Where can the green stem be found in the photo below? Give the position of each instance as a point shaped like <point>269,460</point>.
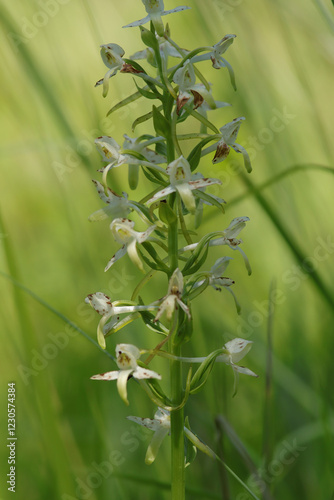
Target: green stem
<point>177,428</point>
<point>177,417</point>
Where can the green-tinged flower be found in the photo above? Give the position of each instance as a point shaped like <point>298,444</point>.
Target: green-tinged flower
<point>229,134</point>
<point>123,232</point>
<point>215,55</point>
<point>155,9</point>
<point>111,313</point>
<point>228,238</point>
<point>161,426</point>
<point>127,356</point>
<point>189,90</point>
<point>112,153</point>
<point>217,280</point>
<point>117,206</point>
<point>166,50</point>
<point>173,298</point>
<point>210,200</point>
<point>180,181</point>
<point>141,146</point>
<point>236,349</point>
<point>111,54</point>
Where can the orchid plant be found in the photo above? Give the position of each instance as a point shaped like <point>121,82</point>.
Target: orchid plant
<point>159,233</point>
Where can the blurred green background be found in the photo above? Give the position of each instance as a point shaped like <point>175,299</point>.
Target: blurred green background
<point>73,438</point>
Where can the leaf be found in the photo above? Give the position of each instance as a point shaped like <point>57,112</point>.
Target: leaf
<point>124,102</point>
<point>141,119</point>
<point>153,253</point>
<point>198,264</point>
<point>153,176</point>
<point>196,253</point>
<point>202,373</point>
<point>195,155</point>
<point>190,448</point>
<point>148,38</point>
<point>210,199</point>
<point>146,93</point>
<point>160,123</point>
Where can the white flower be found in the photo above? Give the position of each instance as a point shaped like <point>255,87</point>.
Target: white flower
<point>127,356</point>
<point>141,147</point>
<point>111,152</point>
<point>111,313</point>
<point>111,54</point>
<point>185,78</point>
<point>229,134</point>
<point>155,9</point>
<point>161,425</point>
<point>173,297</point>
<point>117,206</point>
<point>236,349</point>
<point>166,50</point>
<point>215,55</point>
<point>180,180</point>
<point>123,232</point>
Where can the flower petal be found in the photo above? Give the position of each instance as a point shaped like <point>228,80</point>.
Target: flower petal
<point>247,264</point>
<point>235,226</point>
<point>219,266</point>
<point>187,196</point>
<point>106,376</point>
<point>176,9</point>
<point>133,254</point>
<point>200,183</point>
<point>122,380</point>
<point>141,237</point>
<point>140,22</point>
<point>162,194</point>
<point>108,148</point>
<point>143,373</point>
<point>149,423</point>
<point>239,149</point>
<point>155,444</point>
<point>184,307</point>
<point>100,302</point>
<point>118,255</point>
<point>230,130</point>
<point>222,152</point>
<point>244,370</point>
<point>238,348</point>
